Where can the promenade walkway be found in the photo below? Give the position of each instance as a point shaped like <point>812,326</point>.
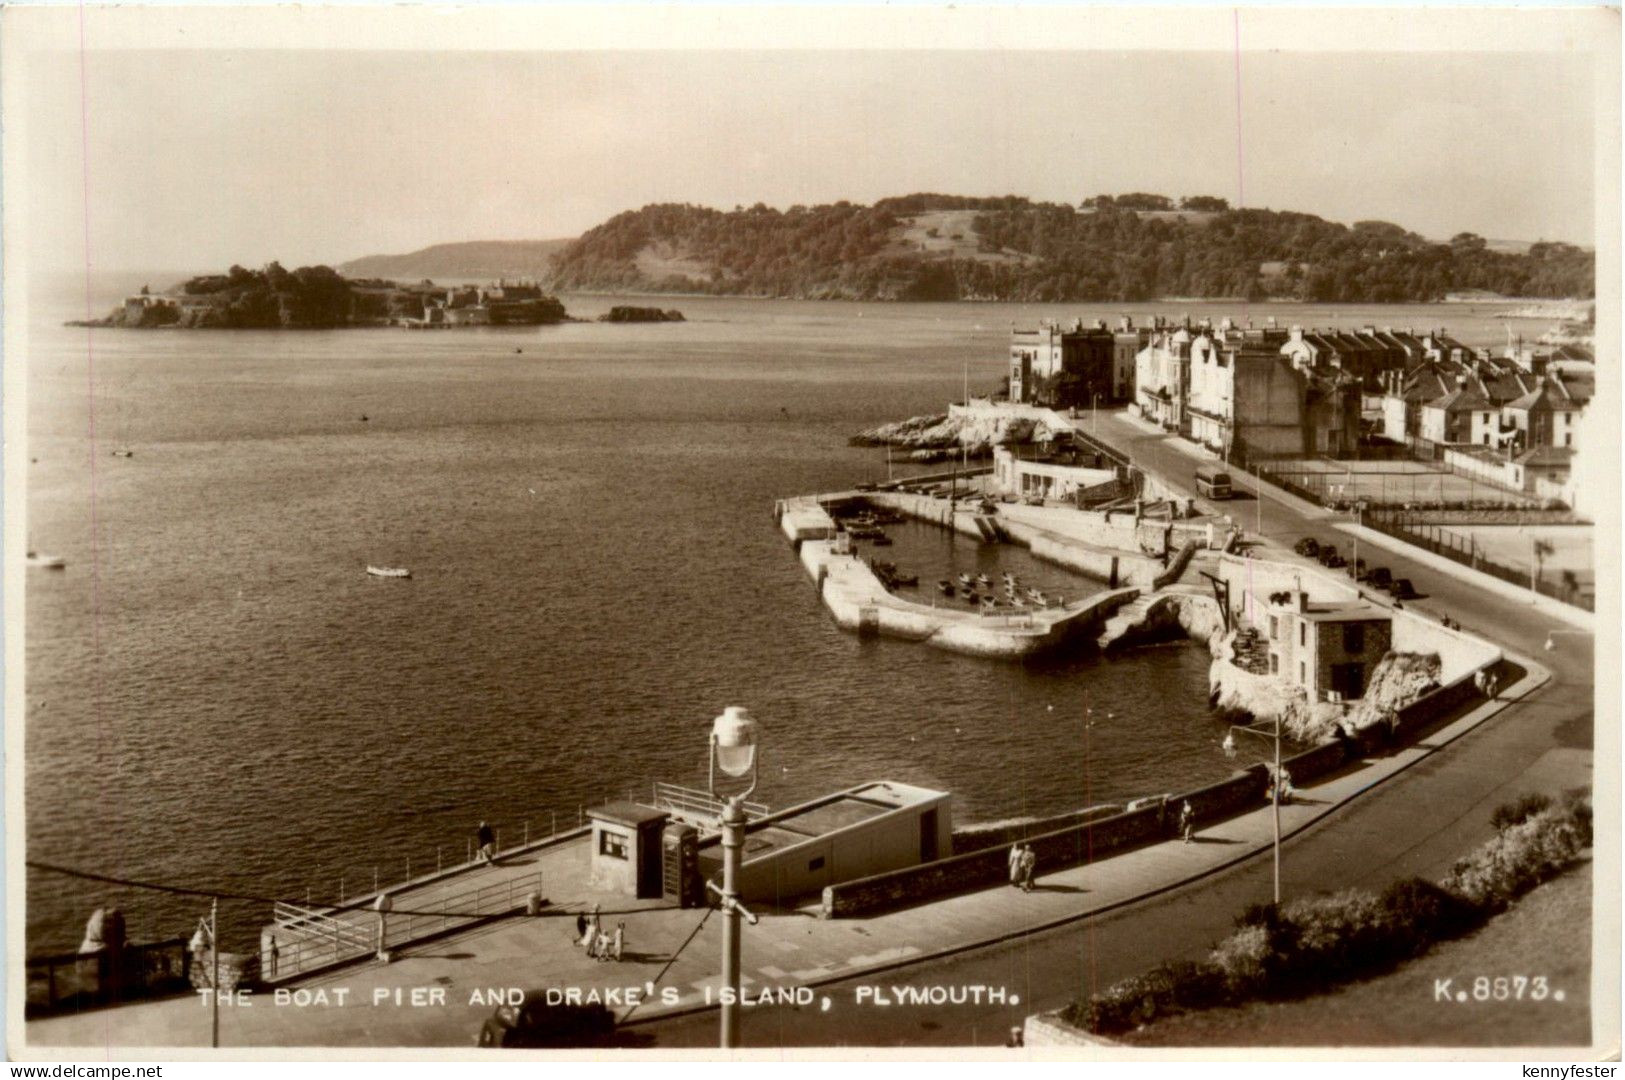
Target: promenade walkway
<point>672,954</point>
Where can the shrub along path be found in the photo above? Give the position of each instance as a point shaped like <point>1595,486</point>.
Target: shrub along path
<point>1547,935</point>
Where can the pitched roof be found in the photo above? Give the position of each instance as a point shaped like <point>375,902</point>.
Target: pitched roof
<point>1550,396</point>
<point>1461,399</point>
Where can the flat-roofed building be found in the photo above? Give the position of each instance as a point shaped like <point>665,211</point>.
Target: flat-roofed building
<point>864,830</point>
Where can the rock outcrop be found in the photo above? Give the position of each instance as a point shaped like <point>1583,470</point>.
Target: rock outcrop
<point>1398,680</point>
<point>977,435</point>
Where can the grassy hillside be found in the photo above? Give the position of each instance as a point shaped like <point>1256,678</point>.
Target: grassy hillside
<point>1135,248</point>
<point>476,259</point>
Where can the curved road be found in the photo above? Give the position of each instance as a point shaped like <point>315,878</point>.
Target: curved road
<point>1419,823</point>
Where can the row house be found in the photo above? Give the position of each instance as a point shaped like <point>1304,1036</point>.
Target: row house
<point>1061,367</point>
<point>1368,353</point>
<point>1242,393</point>
<point>1074,366</point>
<point>1451,402</point>
<point>1549,414</point>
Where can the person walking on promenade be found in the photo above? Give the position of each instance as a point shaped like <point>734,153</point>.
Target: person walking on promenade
<point>589,932</point>
<point>1015,864</point>
<point>487,841</point>
<point>1029,863</point>
<point>1187,821</point>
<point>581,927</point>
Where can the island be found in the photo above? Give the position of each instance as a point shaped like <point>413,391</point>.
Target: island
<point>319,298</point>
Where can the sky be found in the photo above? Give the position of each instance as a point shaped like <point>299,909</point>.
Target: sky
<point>195,159</point>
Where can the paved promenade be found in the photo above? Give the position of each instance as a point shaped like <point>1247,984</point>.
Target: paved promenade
<point>672,954</point>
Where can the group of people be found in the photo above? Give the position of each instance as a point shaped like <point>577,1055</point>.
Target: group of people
<point>600,945</point>
<point>1023,861</point>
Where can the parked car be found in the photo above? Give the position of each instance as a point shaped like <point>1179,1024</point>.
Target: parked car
<point>1308,547</point>
<point>536,1023</point>
<point>1377,576</point>
<point>1326,554</point>
<point>1401,589</point>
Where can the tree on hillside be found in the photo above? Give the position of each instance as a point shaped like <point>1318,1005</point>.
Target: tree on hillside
<point>1203,202</point>
<point>1140,200</point>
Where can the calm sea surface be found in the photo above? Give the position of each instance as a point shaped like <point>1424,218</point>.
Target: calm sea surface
<point>218,696</point>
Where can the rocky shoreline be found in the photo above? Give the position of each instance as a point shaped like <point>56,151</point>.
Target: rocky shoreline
<point>934,436</point>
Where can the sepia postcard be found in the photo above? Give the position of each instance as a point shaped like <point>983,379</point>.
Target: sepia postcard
<point>653,532</point>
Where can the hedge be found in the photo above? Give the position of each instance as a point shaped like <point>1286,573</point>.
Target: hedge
<point>1309,945</point>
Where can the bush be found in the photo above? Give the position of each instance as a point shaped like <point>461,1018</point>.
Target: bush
<point>1518,811</point>
<point>1520,857</point>
<point>1308,945</point>
<point>1420,913</point>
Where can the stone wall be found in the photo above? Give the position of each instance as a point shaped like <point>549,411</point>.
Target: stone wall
<point>1003,834</point>
<point>1055,850</point>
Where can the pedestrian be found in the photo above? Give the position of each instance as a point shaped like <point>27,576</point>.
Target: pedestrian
<point>1187,821</point>
<point>581,927</point>
<point>1029,863</point>
<point>533,903</point>
<point>275,956</point>
<point>488,843</point>
<point>589,930</point>
<point>1286,787</point>
<point>1015,864</point>
<point>383,906</point>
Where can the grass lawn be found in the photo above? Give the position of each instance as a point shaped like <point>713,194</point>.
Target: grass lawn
<point>1547,933</point>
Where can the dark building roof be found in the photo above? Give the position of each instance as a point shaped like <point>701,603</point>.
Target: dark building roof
<point>625,813</point>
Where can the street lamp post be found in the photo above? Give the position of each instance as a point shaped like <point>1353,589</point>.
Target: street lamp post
<point>733,751</point>
<point>208,933</point>
<point>1275,785</point>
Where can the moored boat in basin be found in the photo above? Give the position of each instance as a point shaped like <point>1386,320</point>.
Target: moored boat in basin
<point>389,571</point>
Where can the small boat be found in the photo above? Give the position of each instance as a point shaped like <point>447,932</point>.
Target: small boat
<point>1035,596</point>
<point>389,571</point>
<point>981,579</point>
<point>881,539</point>
<point>964,581</point>
<point>124,453</point>
<point>1017,601</point>
<point>907,581</point>
<point>47,562</point>
<point>946,586</point>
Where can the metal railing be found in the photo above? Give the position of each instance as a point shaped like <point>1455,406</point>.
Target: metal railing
<point>336,936</point>
<point>1465,550</point>
<point>698,807</point>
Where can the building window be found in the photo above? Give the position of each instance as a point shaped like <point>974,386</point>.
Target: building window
<point>612,844</point>
<point>815,864</point>
<point>1303,633</point>
<point>1275,663</point>
<point>1303,673</point>
<point>1354,638</point>
<point>1274,629</point>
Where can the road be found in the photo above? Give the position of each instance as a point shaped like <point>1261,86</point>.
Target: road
<point>1416,824</point>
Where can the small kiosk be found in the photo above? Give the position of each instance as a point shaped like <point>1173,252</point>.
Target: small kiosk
<point>626,849</point>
